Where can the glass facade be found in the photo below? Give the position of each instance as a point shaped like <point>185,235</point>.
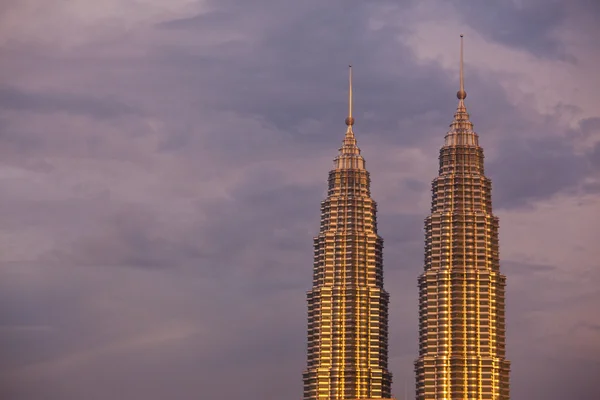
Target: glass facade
<point>462,352</point>
<point>347,306</point>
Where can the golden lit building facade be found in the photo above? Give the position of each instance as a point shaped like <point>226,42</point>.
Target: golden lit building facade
<point>347,305</point>
<point>461,291</point>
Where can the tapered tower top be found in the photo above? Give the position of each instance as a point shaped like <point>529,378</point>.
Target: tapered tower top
<point>461,130</point>
<point>349,156</point>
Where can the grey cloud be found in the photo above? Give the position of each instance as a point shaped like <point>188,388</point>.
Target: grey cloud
<point>410,232</point>
<point>211,20</point>
<point>12,98</point>
<point>544,166</point>
<point>314,46</point>
<point>594,156</point>
<point>237,269</point>
<point>239,333</point>
<point>416,185</point>
<point>528,24</point>
<point>539,371</point>
<point>589,125</point>
<point>264,213</point>
<point>131,236</point>
<point>521,268</point>
<point>560,378</point>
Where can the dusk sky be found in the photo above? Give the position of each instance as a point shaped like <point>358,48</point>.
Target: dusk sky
<point>162,164</point>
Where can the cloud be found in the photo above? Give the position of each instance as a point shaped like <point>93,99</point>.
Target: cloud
<point>162,166</point>
<point>546,167</point>
<point>14,99</point>
<point>530,24</point>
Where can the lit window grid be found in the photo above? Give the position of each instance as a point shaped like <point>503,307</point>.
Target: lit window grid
<point>461,292</point>
<point>347,306</point>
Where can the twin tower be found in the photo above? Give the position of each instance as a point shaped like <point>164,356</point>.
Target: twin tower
<point>461,291</point>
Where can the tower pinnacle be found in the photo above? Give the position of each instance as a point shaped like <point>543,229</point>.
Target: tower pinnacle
<point>462,327</point>
<point>347,349</point>
<point>461,94</point>
<point>350,119</point>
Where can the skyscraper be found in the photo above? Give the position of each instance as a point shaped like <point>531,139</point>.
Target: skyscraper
<point>347,305</point>
<point>461,291</point>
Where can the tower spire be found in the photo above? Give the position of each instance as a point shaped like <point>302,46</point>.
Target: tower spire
<point>462,199</point>
<point>347,305</point>
<point>350,119</point>
<point>461,94</point>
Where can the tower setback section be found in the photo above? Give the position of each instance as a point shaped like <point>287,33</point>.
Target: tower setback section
<point>347,305</point>
<point>461,291</point>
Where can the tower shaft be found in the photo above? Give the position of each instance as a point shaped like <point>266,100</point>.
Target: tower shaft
<point>347,305</point>
<point>461,291</point>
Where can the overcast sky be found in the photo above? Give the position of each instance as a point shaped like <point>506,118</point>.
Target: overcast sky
<point>162,165</point>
